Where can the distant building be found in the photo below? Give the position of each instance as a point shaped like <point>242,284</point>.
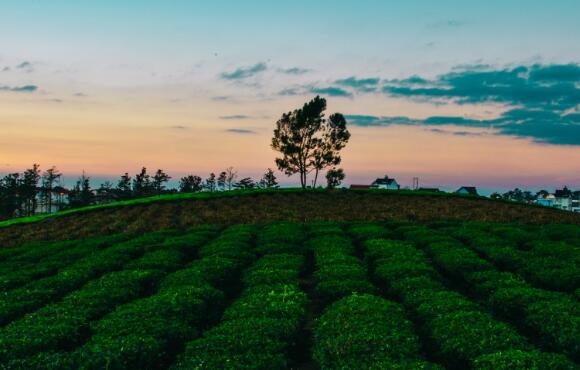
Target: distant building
<point>546,200</point>
<point>360,187</point>
<point>467,190</point>
<point>563,199</point>
<point>385,183</point>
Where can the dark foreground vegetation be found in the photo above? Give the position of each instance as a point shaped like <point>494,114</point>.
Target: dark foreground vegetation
<point>259,206</point>
<point>330,295</point>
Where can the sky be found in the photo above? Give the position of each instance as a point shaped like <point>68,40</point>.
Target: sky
<point>452,92</point>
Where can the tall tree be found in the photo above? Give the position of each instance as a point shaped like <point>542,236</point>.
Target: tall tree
<point>81,195</point>
<point>190,184</point>
<point>210,182</point>
<point>142,183</point>
<point>221,181</point>
<point>268,180</point>
<point>29,189</point>
<point>231,177</point>
<point>334,177</point>
<point>10,204</point>
<point>124,186</point>
<point>159,180</point>
<point>49,177</point>
<point>308,141</point>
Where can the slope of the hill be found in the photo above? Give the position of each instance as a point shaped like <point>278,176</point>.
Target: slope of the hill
<point>260,207</point>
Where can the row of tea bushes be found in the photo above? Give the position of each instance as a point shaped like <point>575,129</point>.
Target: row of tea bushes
<point>149,332</point>
<point>48,260</point>
<point>367,332</point>
<point>258,329</point>
<point>555,317</point>
<point>338,271</point>
<point>546,264</point>
<point>17,302</point>
<point>65,324</point>
<point>459,330</point>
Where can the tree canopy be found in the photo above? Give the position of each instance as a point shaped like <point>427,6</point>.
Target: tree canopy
<point>308,142</point>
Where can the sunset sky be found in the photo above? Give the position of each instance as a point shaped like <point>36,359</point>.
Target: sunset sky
<point>482,93</point>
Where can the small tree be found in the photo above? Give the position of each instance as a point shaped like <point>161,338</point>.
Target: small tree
<point>231,177</point>
<point>49,177</point>
<point>190,184</point>
<point>29,188</point>
<point>268,180</point>
<point>10,204</point>
<point>308,141</point>
<point>159,179</point>
<point>334,177</point>
<point>245,183</point>
<point>210,182</point>
<point>142,183</point>
<point>221,181</point>
<point>124,186</point>
<point>81,195</point>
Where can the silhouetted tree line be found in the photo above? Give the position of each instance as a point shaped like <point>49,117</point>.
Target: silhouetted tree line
<point>33,191</point>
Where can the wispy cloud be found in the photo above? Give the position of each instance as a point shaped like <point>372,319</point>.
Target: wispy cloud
<point>179,127</point>
<point>294,70</point>
<point>359,84</point>
<point>241,131</point>
<point>331,91</point>
<point>235,117</point>
<point>244,72</point>
<point>25,88</point>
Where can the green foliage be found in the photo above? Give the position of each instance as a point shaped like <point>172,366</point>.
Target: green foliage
<point>361,331</point>
<point>518,359</point>
<point>40,331</point>
<point>465,335</point>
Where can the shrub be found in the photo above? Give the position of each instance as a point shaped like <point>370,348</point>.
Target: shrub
<point>164,260</point>
<point>40,331</point>
<point>465,335</point>
<point>367,231</point>
<point>252,343</point>
<point>360,330</point>
<point>518,359</point>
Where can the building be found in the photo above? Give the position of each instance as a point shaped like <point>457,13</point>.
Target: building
<point>385,183</point>
<point>546,200</point>
<point>563,199</point>
<point>467,190</point>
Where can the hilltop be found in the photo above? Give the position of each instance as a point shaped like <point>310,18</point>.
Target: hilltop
<point>261,206</point>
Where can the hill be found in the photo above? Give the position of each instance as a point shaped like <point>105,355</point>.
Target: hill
<point>260,206</point>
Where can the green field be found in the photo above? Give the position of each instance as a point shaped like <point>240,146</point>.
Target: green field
<point>330,295</point>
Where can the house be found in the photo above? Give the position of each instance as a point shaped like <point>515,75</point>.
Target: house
<point>545,200</point>
<point>467,190</point>
<point>563,199</point>
<point>360,187</point>
<point>385,183</point>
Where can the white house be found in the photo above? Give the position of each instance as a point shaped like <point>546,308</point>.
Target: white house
<point>385,183</point>
<point>563,199</point>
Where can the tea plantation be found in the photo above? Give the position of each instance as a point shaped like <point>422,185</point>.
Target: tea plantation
<point>315,295</point>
